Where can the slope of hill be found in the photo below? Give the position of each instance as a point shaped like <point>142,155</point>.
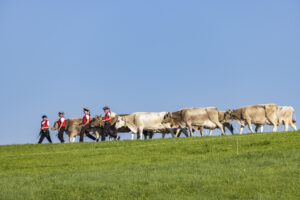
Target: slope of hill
<point>252,166</point>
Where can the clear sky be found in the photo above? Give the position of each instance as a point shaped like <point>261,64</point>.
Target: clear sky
<point>139,55</point>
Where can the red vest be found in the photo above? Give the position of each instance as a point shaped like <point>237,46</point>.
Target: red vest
<point>59,122</point>
<point>44,124</point>
<point>107,117</point>
<point>85,120</point>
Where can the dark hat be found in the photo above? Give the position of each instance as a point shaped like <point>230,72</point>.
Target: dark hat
<point>106,108</point>
<point>61,113</point>
<point>44,116</point>
<point>86,109</point>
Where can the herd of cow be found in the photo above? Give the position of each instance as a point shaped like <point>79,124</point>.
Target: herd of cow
<point>188,119</point>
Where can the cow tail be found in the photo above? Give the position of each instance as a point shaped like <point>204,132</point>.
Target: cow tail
<point>294,117</point>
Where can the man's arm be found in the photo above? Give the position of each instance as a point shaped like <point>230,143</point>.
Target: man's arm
<point>105,120</point>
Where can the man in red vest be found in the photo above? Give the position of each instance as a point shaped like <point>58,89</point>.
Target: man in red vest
<point>61,126</point>
<point>86,125</point>
<point>45,124</point>
<point>107,123</point>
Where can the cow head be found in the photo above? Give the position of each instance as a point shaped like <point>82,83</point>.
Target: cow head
<point>168,119</point>
<point>228,115</point>
<point>120,122</point>
<point>55,126</point>
<point>96,121</point>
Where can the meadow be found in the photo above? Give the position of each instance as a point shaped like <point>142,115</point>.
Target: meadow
<point>249,166</point>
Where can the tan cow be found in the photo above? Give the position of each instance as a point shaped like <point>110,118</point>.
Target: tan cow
<point>73,128</point>
<point>285,117</point>
<point>254,114</point>
<point>195,118</point>
<point>225,122</point>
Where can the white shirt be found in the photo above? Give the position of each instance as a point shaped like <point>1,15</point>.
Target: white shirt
<point>62,120</point>
<point>87,117</point>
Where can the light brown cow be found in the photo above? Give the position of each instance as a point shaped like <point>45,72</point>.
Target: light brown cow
<point>225,122</point>
<point>285,117</point>
<point>195,118</point>
<point>255,114</point>
<point>73,128</point>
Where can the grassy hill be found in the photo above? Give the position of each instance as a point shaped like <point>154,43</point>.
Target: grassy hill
<point>253,166</point>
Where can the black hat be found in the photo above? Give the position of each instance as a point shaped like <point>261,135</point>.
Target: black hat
<point>61,113</point>
<point>44,116</point>
<point>106,108</point>
<point>86,109</point>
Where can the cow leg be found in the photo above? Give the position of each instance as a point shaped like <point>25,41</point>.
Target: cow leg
<point>241,129</point>
<point>250,126</point>
<point>294,126</point>
<point>210,132</point>
<point>191,130</point>
<point>261,129</point>
<point>72,137</point>
<point>146,133</point>
<point>97,136</point>
<point>132,135</point>
<point>286,126</point>
<point>140,133</point>
<point>220,126</point>
<point>173,132</point>
<point>274,127</point>
<point>224,129</point>
<point>185,132</point>
<point>201,130</point>
<point>256,128</point>
<point>163,135</point>
<point>231,129</point>
<point>151,135</point>
<point>177,132</point>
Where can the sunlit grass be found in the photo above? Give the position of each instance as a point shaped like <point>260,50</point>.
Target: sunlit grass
<point>252,166</point>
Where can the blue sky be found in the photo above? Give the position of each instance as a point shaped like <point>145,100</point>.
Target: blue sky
<point>143,56</point>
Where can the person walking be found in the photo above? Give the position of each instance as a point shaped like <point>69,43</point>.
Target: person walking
<point>107,122</point>
<point>86,125</point>
<point>44,132</point>
<point>107,125</point>
<point>61,126</point>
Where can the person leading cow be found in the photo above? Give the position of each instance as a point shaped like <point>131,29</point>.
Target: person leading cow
<point>86,125</point>
<point>61,127</point>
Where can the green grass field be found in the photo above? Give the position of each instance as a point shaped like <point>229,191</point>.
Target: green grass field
<point>252,166</point>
